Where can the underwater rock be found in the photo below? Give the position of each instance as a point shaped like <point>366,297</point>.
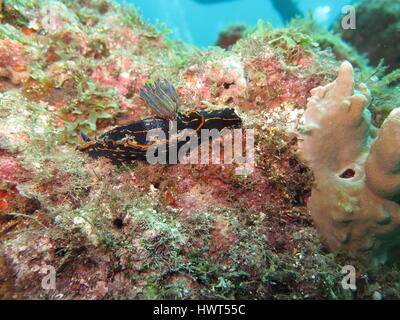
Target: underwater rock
<point>14,62</point>
<point>228,37</point>
<point>224,78</point>
<point>355,200</point>
<point>56,16</point>
<point>377,40</point>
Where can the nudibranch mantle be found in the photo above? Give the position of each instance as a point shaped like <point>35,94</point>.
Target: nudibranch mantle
<point>129,143</point>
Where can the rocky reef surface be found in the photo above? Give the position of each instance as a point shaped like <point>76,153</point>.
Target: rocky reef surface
<point>164,231</point>
<point>367,36</point>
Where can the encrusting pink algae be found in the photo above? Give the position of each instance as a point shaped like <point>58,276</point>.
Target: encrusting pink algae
<point>184,231</point>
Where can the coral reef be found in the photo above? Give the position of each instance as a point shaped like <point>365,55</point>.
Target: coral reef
<point>185,231</point>
<point>13,63</point>
<point>230,35</point>
<point>354,201</point>
<point>377,40</point>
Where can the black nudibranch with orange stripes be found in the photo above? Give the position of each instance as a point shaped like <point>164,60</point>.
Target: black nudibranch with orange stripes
<point>131,142</point>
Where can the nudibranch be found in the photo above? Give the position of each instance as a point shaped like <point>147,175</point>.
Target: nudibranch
<point>129,143</point>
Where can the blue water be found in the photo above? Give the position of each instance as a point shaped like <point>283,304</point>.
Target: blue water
<point>199,22</point>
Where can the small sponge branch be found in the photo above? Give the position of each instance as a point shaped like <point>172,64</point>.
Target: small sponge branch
<point>383,163</point>
<point>336,114</point>
<point>344,82</point>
